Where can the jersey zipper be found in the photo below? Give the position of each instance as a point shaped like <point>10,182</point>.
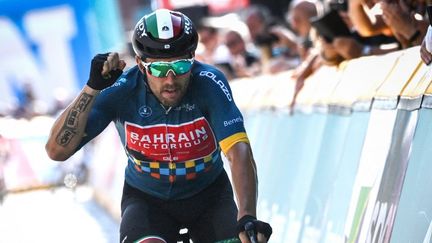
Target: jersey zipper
<point>171,164</point>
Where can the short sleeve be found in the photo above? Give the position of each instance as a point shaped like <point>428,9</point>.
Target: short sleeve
<point>100,116</point>
<point>220,109</point>
<point>107,103</point>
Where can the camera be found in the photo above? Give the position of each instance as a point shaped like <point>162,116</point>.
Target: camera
<point>339,5</point>
<point>266,39</point>
<point>330,25</point>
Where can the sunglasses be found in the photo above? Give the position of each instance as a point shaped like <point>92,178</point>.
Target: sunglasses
<point>161,69</point>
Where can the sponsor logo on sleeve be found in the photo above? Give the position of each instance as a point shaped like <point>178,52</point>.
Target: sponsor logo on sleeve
<point>233,121</point>
<point>219,82</point>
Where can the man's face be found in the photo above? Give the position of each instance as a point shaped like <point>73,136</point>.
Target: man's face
<point>169,89</point>
<point>255,25</point>
<point>299,18</point>
<point>235,43</point>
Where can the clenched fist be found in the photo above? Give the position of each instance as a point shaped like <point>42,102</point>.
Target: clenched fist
<point>105,70</point>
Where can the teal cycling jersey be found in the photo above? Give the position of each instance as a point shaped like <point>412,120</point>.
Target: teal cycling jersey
<point>173,152</point>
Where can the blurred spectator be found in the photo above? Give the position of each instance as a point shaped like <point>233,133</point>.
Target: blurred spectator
<point>403,19</point>
<point>243,62</point>
<point>210,49</point>
<point>258,19</point>
<point>276,43</point>
<point>354,45</point>
<point>26,102</point>
<point>331,50</point>
<point>298,16</point>
<point>276,7</point>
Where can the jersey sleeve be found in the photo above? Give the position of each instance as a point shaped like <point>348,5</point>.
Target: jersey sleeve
<point>98,120</point>
<point>104,110</point>
<point>223,114</point>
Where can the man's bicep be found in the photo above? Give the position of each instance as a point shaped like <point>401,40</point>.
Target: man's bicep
<point>227,143</point>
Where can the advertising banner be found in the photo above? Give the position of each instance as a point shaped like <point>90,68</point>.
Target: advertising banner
<point>46,47</point>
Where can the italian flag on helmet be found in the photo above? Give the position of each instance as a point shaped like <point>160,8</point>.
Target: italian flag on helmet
<point>162,24</point>
<point>164,33</point>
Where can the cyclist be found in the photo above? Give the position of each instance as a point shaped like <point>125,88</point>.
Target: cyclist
<point>174,116</point>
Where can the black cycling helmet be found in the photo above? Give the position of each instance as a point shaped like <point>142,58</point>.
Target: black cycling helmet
<point>163,34</point>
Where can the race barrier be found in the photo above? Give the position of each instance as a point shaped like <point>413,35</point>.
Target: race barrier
<point>348,164</point>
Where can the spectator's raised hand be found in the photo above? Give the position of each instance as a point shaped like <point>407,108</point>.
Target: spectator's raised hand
<point>366,16</point>
<point>425,55</point>
<point>328,53</point>
<point>402,22</point>
<point>347,47</point>
<point>397,16</point>
<point>357,2</point>
<point>426,47</point>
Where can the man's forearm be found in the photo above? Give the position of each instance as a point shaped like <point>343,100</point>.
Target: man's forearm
<point>68,129</point>
<point>359,18</point>
<point>244,176</point>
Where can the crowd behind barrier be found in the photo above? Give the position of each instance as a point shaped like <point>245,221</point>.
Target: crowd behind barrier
<point>329,170</point>
<point>248,42</point>
<point>349,164</point>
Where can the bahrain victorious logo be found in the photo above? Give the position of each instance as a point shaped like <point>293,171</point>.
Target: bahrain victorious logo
<point>161,142</point>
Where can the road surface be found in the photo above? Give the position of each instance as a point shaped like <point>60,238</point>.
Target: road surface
<point>61,215</point>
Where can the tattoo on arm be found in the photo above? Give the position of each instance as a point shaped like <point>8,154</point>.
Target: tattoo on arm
<point>83,101</point>
<point>70,126</point>
<point>65,136</point>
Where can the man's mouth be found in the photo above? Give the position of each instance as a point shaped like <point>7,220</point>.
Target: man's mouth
<point>171,92</point>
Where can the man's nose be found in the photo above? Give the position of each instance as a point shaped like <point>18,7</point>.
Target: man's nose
<point>170,77</point>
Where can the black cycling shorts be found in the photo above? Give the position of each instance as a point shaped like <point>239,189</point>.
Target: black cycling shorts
<point>209,216</point>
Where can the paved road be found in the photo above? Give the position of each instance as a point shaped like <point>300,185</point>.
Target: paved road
<point>55,216</point>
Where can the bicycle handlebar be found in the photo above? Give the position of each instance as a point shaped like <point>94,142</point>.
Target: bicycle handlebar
<point>250,231</point>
